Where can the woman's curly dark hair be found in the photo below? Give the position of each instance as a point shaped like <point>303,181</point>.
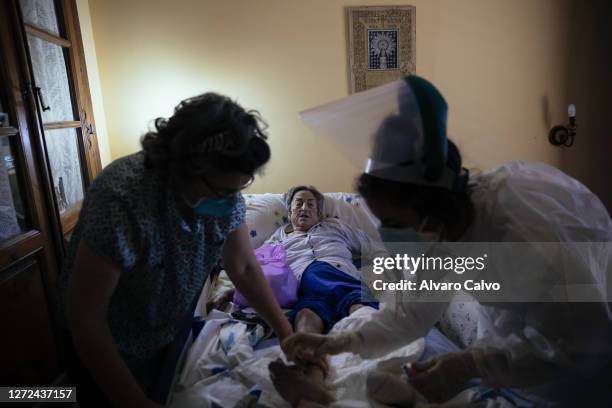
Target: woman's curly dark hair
<point>207,132</point>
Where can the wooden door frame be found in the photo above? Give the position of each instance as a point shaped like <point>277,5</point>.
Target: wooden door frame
<point>31,161</point>
<point>73,29</point>
<point>89,155</point>
<point>43,241</point>
<point>42,196</point>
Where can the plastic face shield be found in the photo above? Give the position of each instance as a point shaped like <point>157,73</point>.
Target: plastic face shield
<point>381,132</point>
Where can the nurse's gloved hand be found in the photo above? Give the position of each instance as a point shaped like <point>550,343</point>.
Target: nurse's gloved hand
<point>309,347</point>
<point>442,377</point>
<point>390,389</point>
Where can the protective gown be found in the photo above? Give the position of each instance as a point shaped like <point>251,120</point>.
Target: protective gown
<point>400,128</point>
<point>522,344</point>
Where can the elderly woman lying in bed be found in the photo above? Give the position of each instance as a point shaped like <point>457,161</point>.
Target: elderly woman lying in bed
<point>320,252</point>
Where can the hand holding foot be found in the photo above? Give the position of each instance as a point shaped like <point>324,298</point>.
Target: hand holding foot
<point>295,387</point>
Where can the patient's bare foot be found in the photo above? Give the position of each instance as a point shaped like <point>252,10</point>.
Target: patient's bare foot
<point>317,370</point>
<point>295,387</point>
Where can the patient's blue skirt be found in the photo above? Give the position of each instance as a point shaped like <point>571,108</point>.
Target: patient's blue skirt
<point>329,293</point>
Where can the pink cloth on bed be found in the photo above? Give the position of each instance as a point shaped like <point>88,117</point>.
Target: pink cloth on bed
<point>280,277</point>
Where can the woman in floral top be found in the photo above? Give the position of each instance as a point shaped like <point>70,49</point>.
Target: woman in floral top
<point>153,226</point>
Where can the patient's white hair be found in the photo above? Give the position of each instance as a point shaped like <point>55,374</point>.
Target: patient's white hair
<point>288,197</point>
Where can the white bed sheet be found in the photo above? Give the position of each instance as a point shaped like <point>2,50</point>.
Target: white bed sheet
<point>248,369</point>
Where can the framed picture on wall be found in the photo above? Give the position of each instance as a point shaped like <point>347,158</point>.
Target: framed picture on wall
<point>381,45</point>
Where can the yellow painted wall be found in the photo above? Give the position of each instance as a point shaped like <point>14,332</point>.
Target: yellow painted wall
<point>502,66</point>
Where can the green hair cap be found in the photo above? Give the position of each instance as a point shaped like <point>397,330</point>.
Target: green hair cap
<point>434,111</point>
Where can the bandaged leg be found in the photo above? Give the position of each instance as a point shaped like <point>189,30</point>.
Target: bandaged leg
<point>390,389</point>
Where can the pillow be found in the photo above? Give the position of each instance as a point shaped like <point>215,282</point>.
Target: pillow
<point>266,213</point>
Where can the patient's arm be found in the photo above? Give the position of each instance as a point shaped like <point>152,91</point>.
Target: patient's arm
<point>244,271</point>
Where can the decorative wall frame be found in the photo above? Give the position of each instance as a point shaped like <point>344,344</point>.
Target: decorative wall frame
<point>381,45</point>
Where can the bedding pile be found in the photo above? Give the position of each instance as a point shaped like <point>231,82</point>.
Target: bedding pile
<point>228,366</point>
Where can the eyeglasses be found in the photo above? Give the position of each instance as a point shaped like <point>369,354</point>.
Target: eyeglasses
<point>222,194</point>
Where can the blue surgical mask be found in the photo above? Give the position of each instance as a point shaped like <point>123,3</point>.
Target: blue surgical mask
<point>214,207</point>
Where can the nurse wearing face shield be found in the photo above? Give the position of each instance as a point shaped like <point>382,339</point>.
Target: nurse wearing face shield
<point>415,184</point>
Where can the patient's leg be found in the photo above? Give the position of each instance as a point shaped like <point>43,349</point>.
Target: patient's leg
<point>309,322</point>
<point>306,383</point>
